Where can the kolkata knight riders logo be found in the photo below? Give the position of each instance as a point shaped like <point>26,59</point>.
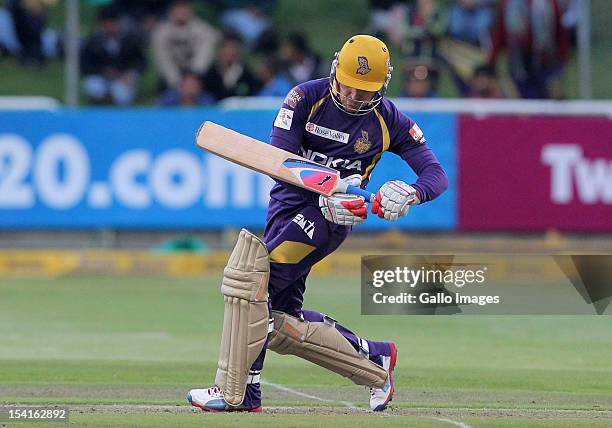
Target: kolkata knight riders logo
<point>363,144</point>
<point>364,68</point>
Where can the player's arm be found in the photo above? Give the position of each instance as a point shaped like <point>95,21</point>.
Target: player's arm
<point>288,129</point>
<point>395,197</point>
<point>432,180</point>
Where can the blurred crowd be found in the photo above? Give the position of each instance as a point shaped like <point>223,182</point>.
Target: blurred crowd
<point>200,62</point>
<point>467,37</point>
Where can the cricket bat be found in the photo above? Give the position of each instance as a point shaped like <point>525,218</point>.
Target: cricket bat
<point>275,162</point>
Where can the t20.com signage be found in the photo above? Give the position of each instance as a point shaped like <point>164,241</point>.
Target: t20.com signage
<point>99,168</point>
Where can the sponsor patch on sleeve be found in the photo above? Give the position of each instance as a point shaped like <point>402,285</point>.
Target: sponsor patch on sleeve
<point>416,134</point>
<point>284,118</point>
<point>294,97</point>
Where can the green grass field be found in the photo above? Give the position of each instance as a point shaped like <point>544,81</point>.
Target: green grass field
<point>124,352</point>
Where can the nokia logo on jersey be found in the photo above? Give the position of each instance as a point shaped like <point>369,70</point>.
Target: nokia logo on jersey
<point>330,161</point>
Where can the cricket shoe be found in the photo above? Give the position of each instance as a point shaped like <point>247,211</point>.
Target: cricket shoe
<point>211,400</point>
<point>380,397</point>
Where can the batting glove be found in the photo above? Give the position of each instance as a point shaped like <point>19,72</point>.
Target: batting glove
<point>345,209</point>
<point>394,199</point>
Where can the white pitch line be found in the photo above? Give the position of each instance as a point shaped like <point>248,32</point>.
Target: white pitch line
<point>450,421</point>
<point>303,394</point>
<point>346,403</point>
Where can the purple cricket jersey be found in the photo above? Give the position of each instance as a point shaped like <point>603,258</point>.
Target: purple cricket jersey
<point>311,125</point>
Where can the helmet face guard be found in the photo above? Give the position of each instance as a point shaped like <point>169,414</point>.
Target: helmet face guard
<point>353,106</point>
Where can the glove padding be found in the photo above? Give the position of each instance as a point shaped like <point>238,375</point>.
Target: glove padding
<point>394,199</point>
<point>343,208</point>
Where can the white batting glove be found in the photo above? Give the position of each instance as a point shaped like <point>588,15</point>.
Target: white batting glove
<point>394,199</point>
<point>343,208</point>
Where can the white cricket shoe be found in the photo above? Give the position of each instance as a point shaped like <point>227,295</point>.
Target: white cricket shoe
<point>380,397</point>
<point>211,400</point>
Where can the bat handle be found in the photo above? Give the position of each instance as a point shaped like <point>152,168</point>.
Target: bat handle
<point>354,190</point>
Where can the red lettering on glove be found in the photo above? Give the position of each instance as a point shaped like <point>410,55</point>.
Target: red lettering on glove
<point>356,207</point>
<point>376,206</point>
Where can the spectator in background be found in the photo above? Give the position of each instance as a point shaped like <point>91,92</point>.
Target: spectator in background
<point>142,15</point>
<point>484,83</point>
<point>268,44</point>
<point>470,21</point>
<point>230,76</point>
<point>29,19</point>
<point>469,40</point>
<point>571,13</point>
<point>111,61</point>
<point>420,79</point>
<point>248,19</point>
<point>190,93</point>
<point>8,38</point>
<point>388,20</point>
<point>274,83</point>
<point>537,45</point>
<point>425,27</point>
<point>183,44</point>
<point>300,62</point>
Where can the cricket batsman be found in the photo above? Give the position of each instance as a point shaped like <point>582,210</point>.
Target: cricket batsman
<point>343,122</point>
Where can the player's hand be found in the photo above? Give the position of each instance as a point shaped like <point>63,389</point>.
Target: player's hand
<point>394,199</point>
<point>345,209</point>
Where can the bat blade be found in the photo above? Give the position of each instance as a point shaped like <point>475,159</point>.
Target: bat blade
<point>272,161</point>
<point>313,176</point>
<point>267,159</point>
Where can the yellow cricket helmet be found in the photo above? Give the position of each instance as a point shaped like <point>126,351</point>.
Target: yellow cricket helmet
<point>363,63</point>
